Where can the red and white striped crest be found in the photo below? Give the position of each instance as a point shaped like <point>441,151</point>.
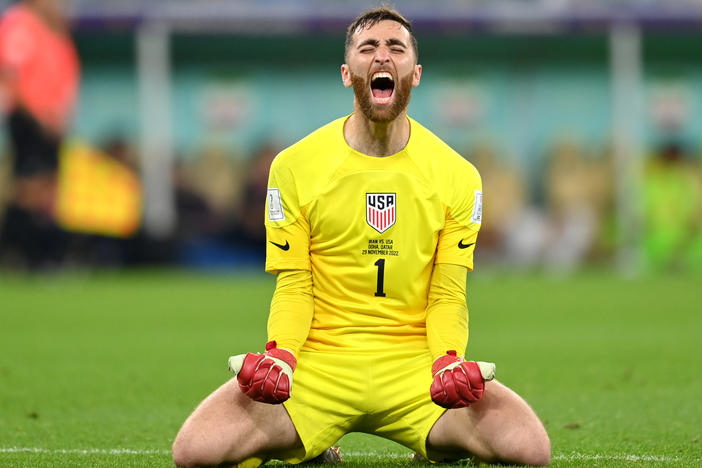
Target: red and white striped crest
<point>380,210</point>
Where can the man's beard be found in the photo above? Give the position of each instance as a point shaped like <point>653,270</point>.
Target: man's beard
<point>374,113</point>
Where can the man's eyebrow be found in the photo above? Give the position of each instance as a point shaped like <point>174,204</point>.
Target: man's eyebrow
<point>373,42</point>
<point>376,43</point>
<point>395,42</point>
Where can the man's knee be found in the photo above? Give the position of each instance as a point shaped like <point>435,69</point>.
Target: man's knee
<point>533,450</point>
<point>188,452</point>
<point>540,453</point>
<point>502,428</point>
<point>523,438</point>
<point>184,454</point>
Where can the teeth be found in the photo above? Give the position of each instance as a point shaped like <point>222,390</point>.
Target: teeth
<point>382,74</point>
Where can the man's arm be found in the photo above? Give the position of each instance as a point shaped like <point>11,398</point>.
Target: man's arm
<point>292,309</point>
<point>457,383</point>
<point>447,312</point>
<point>268,377</point>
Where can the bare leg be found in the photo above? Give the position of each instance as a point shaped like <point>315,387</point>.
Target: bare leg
<point>501,427</point>
<point>229,427</point>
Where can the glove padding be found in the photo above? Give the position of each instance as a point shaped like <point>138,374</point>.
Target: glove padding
<point>265,377</point>
<point>458,383</point>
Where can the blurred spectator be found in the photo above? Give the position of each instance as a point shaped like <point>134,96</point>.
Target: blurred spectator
<point>245,238</point>
<point>601,182</point>
<point>251,229</point>
<point>215,176</point>
<point>99,201</point>
<point>572,207</point>
<point>221,208</point>
<point>118,148</point>
<point>196,219</point>
<point>563,233</point>
<point>5,186</point>
<point>39,74</point>
<point>503,205</point>
<point>672,206</point>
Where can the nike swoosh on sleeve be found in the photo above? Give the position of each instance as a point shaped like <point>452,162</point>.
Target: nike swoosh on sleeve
<point>461,245</point>
<point>281,246</point>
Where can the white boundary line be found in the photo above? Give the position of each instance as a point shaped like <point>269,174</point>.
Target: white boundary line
<point>565,457</point>
<point>89,451</point>
<point>632,458</point>
<point>127,451</point>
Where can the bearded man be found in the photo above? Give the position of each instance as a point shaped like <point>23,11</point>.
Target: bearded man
<point>371,225</point>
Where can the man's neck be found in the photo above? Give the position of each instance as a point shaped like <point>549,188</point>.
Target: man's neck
<point>376,138</point>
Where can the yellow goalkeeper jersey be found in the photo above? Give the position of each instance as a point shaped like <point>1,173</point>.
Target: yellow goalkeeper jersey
<point>370,230</point>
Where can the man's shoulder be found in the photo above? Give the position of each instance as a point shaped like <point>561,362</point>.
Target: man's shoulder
<point>314,145</point>
<point>430,150</point>
<point>309,164</point>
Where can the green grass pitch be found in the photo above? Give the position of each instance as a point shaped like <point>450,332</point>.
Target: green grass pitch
<point>101,370</point>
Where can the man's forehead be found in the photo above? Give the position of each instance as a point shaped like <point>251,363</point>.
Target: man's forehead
<point>384,28</point>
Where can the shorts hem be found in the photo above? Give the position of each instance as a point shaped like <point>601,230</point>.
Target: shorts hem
<point>304,454</point>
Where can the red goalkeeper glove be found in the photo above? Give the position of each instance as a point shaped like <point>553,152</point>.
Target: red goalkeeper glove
<point>458,383</point>
<point>265,377</point>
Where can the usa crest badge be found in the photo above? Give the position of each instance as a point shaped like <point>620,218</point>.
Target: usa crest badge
<point>381,210</point>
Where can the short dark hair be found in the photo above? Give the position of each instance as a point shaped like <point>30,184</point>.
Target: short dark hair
<point>370,18</point>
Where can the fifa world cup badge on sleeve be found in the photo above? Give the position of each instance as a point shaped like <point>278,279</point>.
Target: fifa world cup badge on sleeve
<point>477,208</point>
<point>275,205</point>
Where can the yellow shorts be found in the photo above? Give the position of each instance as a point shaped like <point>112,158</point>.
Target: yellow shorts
<point>384,393</point>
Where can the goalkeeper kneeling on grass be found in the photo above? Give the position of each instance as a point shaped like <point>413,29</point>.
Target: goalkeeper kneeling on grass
<point>371,225</point>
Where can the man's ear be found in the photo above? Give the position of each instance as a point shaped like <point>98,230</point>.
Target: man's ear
<point>417,75</point>
<point>346,75</point>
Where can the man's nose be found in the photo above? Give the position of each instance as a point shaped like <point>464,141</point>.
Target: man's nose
<point>382,55</point>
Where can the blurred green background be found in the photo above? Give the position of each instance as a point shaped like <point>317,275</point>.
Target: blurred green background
<point>583,118</point>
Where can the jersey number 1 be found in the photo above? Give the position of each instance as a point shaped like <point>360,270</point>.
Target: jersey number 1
<point>381,278</point>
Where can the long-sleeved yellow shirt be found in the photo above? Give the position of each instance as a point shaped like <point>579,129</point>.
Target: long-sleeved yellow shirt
<point>371,252</point>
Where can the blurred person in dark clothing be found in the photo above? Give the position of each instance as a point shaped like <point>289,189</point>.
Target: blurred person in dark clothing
<point>251,231</point>
<point>242,241</point>
<point>39,75</point>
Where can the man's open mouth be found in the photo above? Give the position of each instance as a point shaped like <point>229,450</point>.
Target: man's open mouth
<point>382,86</point>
